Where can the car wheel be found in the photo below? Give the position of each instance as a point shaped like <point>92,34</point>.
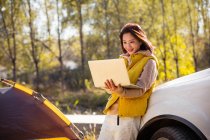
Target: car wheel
<point>172,133</point>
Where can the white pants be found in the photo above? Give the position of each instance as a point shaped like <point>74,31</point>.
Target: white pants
<point>127,129</point>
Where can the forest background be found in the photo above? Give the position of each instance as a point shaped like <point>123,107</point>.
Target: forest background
<point>45,44</point>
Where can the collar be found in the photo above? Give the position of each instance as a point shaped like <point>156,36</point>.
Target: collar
<point>144,52</point>
<point>129,57</point>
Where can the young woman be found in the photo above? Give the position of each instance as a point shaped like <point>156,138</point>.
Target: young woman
<point>125,106</point>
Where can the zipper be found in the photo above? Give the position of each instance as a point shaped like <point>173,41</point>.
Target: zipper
<point>118,120</point>
<point>118,117</point>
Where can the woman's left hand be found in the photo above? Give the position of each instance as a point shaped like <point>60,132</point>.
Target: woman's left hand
<point>110,85</point>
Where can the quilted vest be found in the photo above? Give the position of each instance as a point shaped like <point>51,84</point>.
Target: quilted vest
<point>132,107</point>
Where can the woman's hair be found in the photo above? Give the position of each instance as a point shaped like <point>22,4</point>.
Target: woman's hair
<point>138,33</point>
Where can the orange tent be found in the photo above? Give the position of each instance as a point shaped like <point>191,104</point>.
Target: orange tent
<point>26,114</point>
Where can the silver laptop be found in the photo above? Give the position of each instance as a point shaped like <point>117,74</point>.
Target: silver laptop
<point>114,69</point>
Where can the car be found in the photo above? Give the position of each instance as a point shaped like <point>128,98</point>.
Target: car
<point>179,110</point>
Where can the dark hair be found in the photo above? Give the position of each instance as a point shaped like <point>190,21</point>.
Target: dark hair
<point>138,33</point>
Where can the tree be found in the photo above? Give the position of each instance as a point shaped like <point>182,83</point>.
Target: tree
<point>10,32</point>
<point>75,17</point>
<point>60,57</point>
<point>164,53</point>
<point>192,34</point>
<point>34,48</point>
<point>79,11</point>
<point>203,9</point>
<point>48,18</point>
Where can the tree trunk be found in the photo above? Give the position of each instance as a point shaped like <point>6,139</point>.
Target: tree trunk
<point>116,4</point>
<point>14,39</point>
<point>163,39</point>
<point>175,52</point>
<point>48,19</point>
<point>105,4</point>
<point>34,52</point>
<point>192,37</point>
<point>11,51</point>
<point>79,10</point>
<point>48,23</point>
<point>60,57</point>
<point>206,26</point>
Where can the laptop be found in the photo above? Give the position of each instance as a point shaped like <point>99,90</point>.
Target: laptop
<point>114,69</point>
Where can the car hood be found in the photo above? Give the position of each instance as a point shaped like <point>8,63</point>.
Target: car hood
<point>185,80</point>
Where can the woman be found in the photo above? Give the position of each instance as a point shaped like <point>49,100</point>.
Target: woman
<point>125,106</point>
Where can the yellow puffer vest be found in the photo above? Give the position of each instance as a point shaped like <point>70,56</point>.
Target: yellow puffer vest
<point>131,107</point>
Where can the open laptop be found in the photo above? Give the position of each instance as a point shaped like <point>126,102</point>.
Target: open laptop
<point>114,69</point>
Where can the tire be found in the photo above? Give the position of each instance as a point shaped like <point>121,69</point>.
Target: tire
<point>172,133</point>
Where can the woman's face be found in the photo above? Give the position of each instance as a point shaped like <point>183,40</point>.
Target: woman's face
<point>130,43</point>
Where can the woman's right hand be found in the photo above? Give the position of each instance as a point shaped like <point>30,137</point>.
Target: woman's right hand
<point>110,86</point>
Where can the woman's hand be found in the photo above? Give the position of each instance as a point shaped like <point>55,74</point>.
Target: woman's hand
<point>110,85</point>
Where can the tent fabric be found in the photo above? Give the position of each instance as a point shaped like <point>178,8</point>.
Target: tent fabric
<point>24,116</point>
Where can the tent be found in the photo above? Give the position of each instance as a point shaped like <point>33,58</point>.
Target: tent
<point>26,114</point>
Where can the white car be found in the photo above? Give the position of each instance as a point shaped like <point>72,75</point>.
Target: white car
<point>179,110</point>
